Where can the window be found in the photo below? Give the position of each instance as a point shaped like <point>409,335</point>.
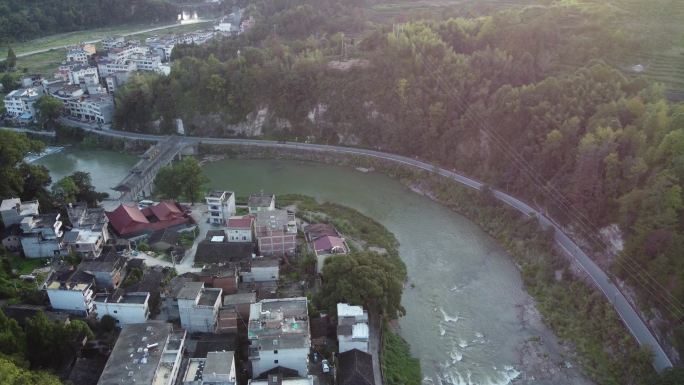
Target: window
<point>115,311</point>
<point>275,361</point>
<point>275,352</point>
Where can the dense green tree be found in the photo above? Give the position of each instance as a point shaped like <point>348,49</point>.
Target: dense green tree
<point>11,60</point>
<point>48,109</point>
<point>36,182</point>
<point>181,180</point>
<point>50,344</point>
<point>11,374</point>
<point>12,338</point>
<point>64,191</point>
<point>363,278</point>
<point>13,148</point>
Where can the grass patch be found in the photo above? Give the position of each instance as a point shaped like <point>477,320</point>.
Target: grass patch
<point>398,366</point>
<point>45,63</point>
<point>26,265</point>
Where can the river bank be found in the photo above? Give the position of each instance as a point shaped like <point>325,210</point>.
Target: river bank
<point>580,337</point>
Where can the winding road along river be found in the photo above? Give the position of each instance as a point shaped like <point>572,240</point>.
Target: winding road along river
<point>467,313</point>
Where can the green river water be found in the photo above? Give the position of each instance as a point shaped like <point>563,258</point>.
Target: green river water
<point>464,305</point>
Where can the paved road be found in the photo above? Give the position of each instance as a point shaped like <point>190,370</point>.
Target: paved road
<point>29,131</point>
<point>29,53</point>
<point>627,313</point>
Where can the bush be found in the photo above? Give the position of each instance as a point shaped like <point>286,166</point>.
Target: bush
<point>398,366</point>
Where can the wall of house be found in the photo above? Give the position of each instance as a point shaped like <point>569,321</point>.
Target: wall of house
<point>261,274</point>
<point>196,318</point>
<point>228,284</point>
<point>35,247</point>
<point>72,301</point>
<point>277,245</point>
<point>239,235</point>
<point>125,313</point>
<point>347,343</point>
<point>296,359</point>
<point>12,243</point>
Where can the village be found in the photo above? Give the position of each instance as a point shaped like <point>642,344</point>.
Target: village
<point>202,294</point>
<point>88,78</point>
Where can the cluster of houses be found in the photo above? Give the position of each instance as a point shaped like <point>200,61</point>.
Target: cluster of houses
<point>87,79</point>
<point>228,320</point>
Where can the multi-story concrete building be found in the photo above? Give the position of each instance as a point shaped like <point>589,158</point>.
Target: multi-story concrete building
<point>278,379</point>
<point>84,243</point>
<point>109,269</point>
<point>71,290</point>
<point>113,42</point>
<point>93,108</point>
<point>221,206</point>
<point>240,229</point>
<point>217,369</point>
<point>108,67</point>
<point>146,62</point>
<point>78,72</point>
<point>276,233</point>
<point>42,236</point>
<point>126,52</point>
<point>20,103</point>
<point>13,210</point>
<point>198,307</point>
<point>83,217</point>
<point>77,54</point>
<point>352,328</point>
<point>147,353</point>
<point>126,308</point>
<point>279,335</point>
<point>117,79</point>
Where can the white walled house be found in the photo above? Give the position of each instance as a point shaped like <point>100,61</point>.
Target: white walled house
<point>71,291</point>
<point>198,307</point>
<point>352,328</point>
<point>240,229</point>
<point>129,308</point>
<point>221,206</point>
<point>79,72</point>
<point>93,108</point>
<point>107,67</point>
<point>42,236</point>
<point>262,270</point>
<point>13,210</point>
<point>279,335</point>
<point>20,103</point>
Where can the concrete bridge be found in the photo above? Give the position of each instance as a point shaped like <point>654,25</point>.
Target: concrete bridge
<point>139,182</point>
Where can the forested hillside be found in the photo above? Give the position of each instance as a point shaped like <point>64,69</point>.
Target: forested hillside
<point>26,19</point>
<point>526,99</point>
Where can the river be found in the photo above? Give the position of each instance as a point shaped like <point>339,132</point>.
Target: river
<point>467,313</point>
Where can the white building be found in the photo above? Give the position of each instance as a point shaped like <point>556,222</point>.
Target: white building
<point>107,67</point>
<point>278,332</point>
<point>20,103</point>
<point>113,42</point>
<point>352,328</point>
<point>147,353</point>
<point>129,308</point>
<point>71,291</point>
<point>217,369</point>
<point>13,210</point>
<point>240,229</point>
<point>84,243</point>
<point>77,54</point>
<point>117,79</point>
<point>221,206</point>
<point>198,307</point>
<point>276,380</point>
<point>146,62</point>
<point>77,73</point>
<point>42,236</point>
<point>83,217</point>
<point>93,108</point>
<point>126,52</point>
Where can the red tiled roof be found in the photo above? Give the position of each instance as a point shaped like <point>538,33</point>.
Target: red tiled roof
<point>166,210</point>
<point>126,219</point>
<point>328,243</point>
<point>240,223</point>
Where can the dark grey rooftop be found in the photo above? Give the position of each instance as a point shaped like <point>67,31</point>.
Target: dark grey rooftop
<point>260,200</point>
<point>129,363</point>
